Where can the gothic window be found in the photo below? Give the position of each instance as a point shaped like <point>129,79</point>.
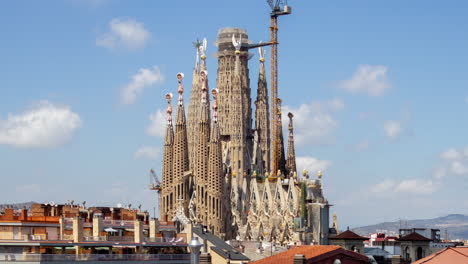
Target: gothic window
<point>266,203</point>
<point>254,203</point>
<point>291,202</point>
<point>278,201</point>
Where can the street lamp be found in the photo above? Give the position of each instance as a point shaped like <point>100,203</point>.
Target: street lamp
<point>337,261</point>
<point>195,247</point>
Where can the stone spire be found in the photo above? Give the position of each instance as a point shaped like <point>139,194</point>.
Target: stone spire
<point>216,182</point>
<point>291,160</point>
<point>262,116</point>
<point>200,165</point>
<point>180,161</point>
<point>167,194</point>
<point>235,113</point>
<point>281,154</point>
<point>195,97</point>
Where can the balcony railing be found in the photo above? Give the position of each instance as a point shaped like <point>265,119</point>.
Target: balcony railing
<point>165,239</point>
<point>120,238</point>
<point>94,238</point>
<point>176,258</point>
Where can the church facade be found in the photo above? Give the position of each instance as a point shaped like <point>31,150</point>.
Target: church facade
<point>216,166</point>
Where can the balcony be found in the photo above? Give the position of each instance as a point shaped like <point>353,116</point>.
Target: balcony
<point>70,258</point>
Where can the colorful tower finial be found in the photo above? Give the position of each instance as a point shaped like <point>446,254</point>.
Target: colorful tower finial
<point>169,108</point>
<point>203,75</point>
<point>214,92</point>
<point>180,77</point>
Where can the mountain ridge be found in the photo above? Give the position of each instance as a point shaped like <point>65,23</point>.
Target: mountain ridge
<point>453,225</point>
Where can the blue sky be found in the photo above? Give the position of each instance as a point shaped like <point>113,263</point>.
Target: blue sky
<point>379,90</point>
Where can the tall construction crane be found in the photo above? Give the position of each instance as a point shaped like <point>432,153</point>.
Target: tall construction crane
<point>278,8</point>
<point>155,185</point>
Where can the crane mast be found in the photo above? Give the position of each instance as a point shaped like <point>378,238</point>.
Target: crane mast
<point>278,9</point>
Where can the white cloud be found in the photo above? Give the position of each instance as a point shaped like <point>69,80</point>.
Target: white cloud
<point>416,186</point>
<point>311,164</point>
<point>157,126</point>
<point>453,162</point>
<point>142,79</point>
<point>411,186</point>
<point>459,167</point>
<point>451,154</point>
<point>151,153</point>
<point>127,33</point>
<point>368,79</point>
<point>45,125</point>
<point>393,129</point>
<point>383,187</point>
<point>314,123</point>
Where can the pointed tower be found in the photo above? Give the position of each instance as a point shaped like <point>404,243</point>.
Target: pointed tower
<point>235,113</point>
<point>167,195</point>
<point>281,152</point>
<point>200,165</point>
<point>216,183</point>
<point>180,160</point>
<point>195,97</point>
<point>262,116</point>
<point>291,160</point>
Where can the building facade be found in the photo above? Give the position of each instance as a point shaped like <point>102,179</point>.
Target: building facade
<point>216,166</point>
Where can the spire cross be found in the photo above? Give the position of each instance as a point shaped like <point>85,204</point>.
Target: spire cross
<point>180,77</point>
<point>169,108</point>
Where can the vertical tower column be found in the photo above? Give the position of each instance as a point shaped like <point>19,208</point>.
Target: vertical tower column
<point>291,160</point>
<point>168,197</point>
<point>235,113</point>
<point>216,187</point>
<point>180,161</point>
<point>201,157</point>
<point>262,118</point>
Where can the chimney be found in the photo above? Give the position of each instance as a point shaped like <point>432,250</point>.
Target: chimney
<point>299,259</point>
<point>24,214</point>
<point>9,213</point>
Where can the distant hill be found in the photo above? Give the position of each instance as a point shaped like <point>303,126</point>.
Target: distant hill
<point>456,226</point>
<point>16,206</point>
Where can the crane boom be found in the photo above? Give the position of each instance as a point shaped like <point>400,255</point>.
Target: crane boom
<point>279,8</point>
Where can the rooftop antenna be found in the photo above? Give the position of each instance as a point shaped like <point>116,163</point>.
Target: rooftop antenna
<point>278,8</point>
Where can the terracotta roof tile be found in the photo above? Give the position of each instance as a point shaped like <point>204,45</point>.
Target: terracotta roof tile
<point>348,235</point>
<point>287,256</point>
<point>414,237</point>
<point>458,255</point>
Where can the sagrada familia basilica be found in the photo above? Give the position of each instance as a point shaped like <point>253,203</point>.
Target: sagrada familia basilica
<point>220,171</point>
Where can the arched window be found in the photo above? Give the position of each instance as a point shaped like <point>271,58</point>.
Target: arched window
<point>419,253</point>
<point>407,253</point>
